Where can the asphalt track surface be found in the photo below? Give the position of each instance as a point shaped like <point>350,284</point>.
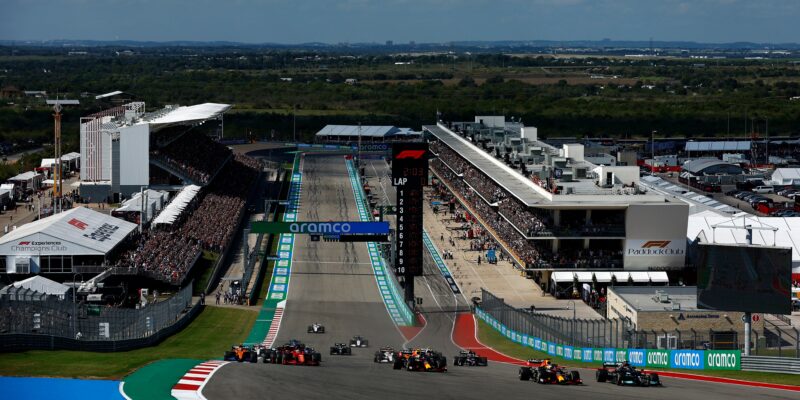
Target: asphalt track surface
<point>332,284</point>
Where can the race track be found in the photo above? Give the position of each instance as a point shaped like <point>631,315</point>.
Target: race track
<point>332,283</point>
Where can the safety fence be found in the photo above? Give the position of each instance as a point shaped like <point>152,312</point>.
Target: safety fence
<point>54,323</point>
<point>387,284</point>
<point>594,341</point>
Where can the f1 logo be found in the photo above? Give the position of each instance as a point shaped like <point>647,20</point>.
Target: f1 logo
<point>656,243</point>
<point>78,224</point>
<point>415,154</point>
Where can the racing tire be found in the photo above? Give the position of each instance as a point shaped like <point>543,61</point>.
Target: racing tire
<point>398,364</point>
<point>575,376</point>
<point>601,375</point>
<point>524,374</point>
<point>654,380</point>
<point>618,380</point>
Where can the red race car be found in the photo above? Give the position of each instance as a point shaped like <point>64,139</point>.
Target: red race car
<point>545,372</point>
<point>293,353</point>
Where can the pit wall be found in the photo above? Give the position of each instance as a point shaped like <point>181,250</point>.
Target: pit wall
<point>401,314</point>
<point>708,360</point>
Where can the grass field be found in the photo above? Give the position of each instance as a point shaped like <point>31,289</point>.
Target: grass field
<point>494,339</point>
<point>208,336</point>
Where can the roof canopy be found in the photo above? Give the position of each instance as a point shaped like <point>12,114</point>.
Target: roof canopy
<point>25,176</point>
<point>365,131</point>
<point>187,114</point>
<point>718,146</point>
<point>174,209</point>
<point>79,231</point>
<point>39,284</point>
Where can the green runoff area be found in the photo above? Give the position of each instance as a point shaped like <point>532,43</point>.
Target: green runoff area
<point>207,337</point>
<point>494,339</point>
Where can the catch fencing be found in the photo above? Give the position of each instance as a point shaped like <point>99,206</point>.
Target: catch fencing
<point>575,332</point>
<point>36,323</point>
<point>593,341</point>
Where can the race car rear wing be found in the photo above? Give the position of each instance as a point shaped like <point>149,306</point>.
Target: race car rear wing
<point>611,364</point>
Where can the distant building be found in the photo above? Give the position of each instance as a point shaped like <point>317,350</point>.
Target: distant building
<point>351,81</point>
<point>10,92</point>
<point>390,43</point>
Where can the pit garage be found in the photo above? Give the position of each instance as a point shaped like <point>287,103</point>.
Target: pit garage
<point>63,243</point>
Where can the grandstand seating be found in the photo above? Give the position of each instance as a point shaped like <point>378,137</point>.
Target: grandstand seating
<point>168,252</point>
<point>195,156</point>
<point>527,221</point>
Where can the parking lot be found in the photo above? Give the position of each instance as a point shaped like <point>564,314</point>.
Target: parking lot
<point>730,200</point>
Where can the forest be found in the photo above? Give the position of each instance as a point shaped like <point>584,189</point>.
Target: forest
<point>276,91</point>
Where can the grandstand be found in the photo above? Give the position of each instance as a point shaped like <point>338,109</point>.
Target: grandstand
<point>123,148</point>
<point>552,207</point>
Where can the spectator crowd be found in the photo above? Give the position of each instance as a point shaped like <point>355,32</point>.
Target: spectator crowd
<point>511,220</point>
<point>196,156</point>
<point>170,251</point>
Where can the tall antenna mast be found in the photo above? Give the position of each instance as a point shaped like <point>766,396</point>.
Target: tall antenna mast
<point>57,168</point>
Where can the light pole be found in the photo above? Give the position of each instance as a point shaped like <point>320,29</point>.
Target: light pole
<point>572,334</point>
<point>74,302</point>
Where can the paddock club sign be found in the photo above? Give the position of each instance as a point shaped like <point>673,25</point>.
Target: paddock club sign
<point>655,248</point>
<point>320,228</point>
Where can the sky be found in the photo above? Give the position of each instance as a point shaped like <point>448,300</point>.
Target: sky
<point>429,21</point>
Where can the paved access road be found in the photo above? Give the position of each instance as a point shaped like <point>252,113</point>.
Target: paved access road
<point>332,284</point>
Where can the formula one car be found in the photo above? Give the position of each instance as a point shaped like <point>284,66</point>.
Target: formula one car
<point>359,341</point>
<point>341,349</point>
<point>470,358</point>
<point>316,328</point>
<point>293,353</point>
<point>626,374</point>
<point>385,355</point>
<point>545,372</point>
<point>424,360</point>
<point>241,353</point>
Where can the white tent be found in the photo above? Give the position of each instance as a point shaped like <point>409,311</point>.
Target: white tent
<point>79,231</point>
<point>174,209</point>
<point>777,231</point>
<point>786,176</point>
<point>563,277</point>
<point>40,284</point>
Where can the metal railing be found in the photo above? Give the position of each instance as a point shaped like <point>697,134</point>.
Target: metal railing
<point>619,333</point>
<point>90,322</point>
<point>570,331</point>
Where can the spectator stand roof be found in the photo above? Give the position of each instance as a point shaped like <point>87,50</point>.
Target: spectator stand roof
<point>186,115</point>
<point>510,180</point>
<point>79,231</point>
<point>367,131</point>
<point>786,234</point>
<point>38,284</point>
<point>718,146</point>
<point>174,209</point>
